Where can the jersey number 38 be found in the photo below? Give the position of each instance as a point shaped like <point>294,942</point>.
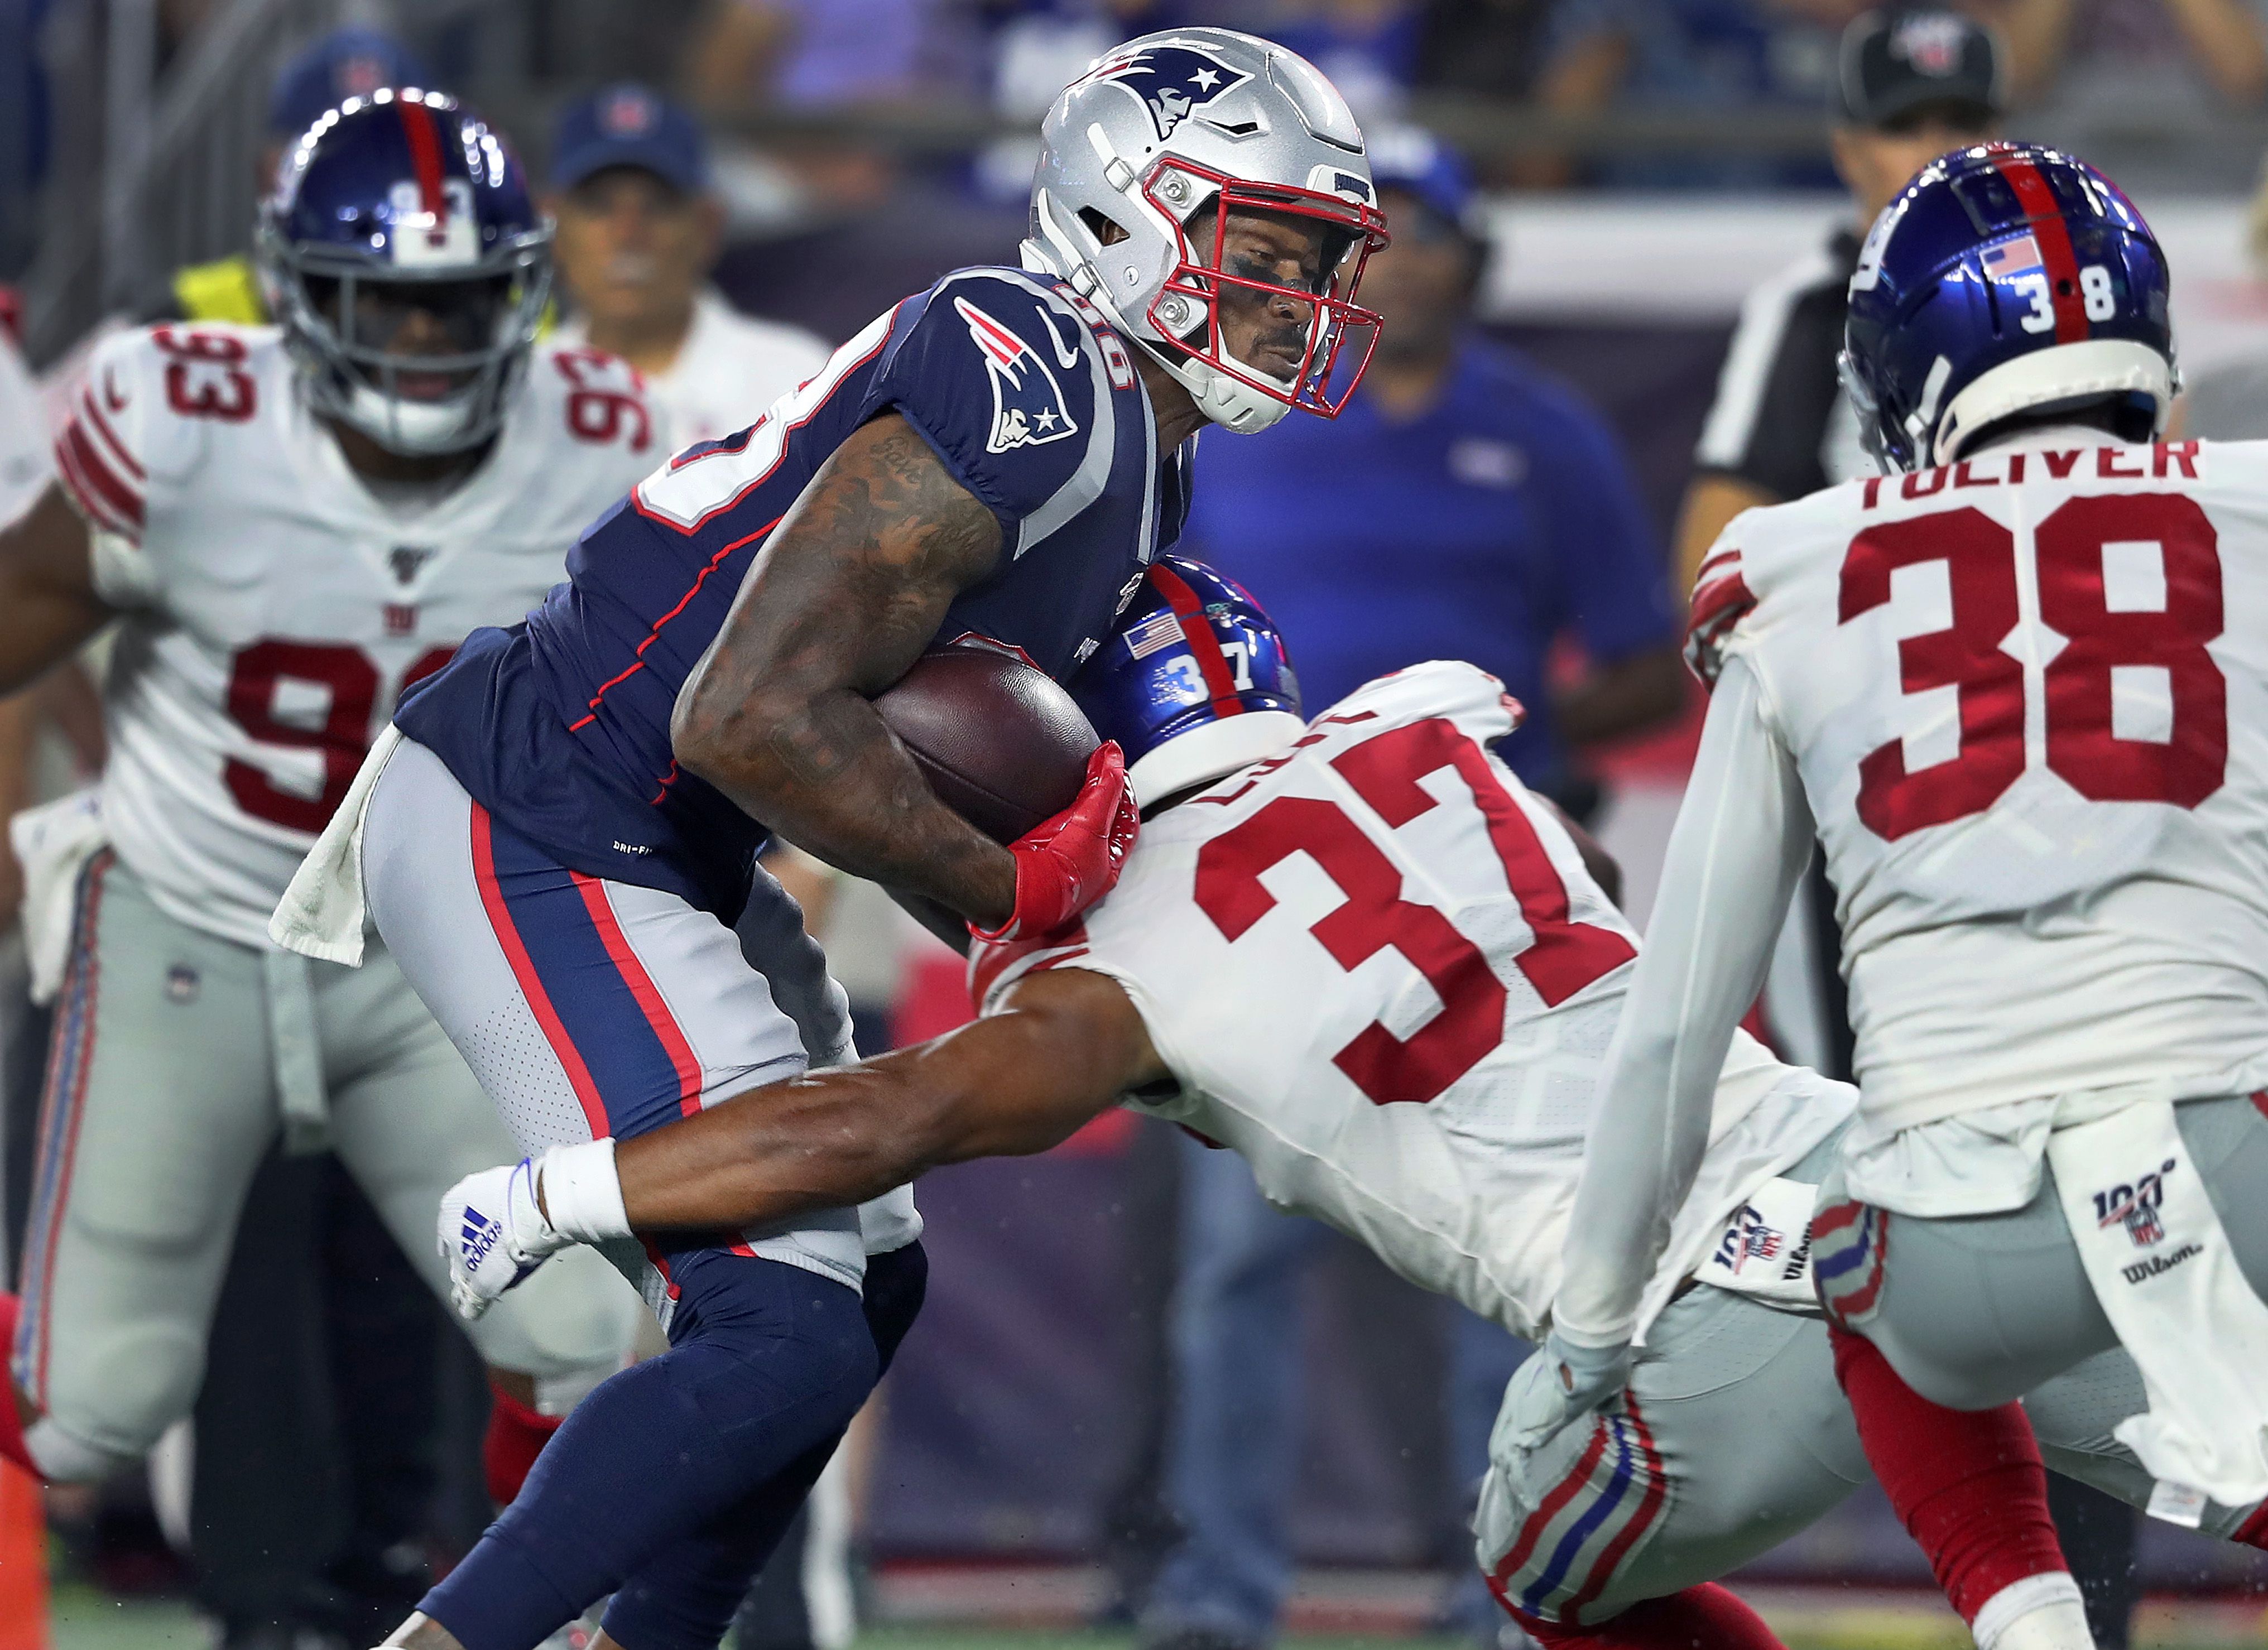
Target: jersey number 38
<point>2101,637</point>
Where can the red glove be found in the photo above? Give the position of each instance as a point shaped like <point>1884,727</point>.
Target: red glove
<point>1066,865</point>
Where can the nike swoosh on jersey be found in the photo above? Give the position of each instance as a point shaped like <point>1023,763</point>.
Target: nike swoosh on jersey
<point>1063,358</point>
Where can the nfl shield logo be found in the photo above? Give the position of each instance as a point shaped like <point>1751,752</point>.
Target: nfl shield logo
<point>2143,1224</point>
<point>1930,43</point>
<point>627,113</point>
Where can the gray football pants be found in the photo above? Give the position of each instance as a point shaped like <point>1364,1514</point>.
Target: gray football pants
<point>1978,1309</point>
<point>161,1099</point>
<point>1735,1434</point>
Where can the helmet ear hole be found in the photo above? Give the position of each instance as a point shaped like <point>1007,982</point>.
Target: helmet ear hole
<point>1107,231</point>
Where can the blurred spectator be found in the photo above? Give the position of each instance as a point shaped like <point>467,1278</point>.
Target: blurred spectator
<point>638,231</point>
<point>1694,55</point>
<point>24,137</point>
<point>1487,48</point>
<point>1914,85</point>
<point>1462,507</point>
<point>825,54</point>
<point>2086,72</point>
<point>2229,402</point>
<point>1368,48</point>
<point>345,63</point>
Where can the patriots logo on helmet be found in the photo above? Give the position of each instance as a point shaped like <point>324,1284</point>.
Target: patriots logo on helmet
<point>1173,82</point>
<point>1028,403</point>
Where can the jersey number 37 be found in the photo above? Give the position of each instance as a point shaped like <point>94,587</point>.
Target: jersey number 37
<point>1562,957</point>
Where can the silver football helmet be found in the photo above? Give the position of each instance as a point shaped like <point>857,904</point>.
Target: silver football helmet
<point>1195,124</point>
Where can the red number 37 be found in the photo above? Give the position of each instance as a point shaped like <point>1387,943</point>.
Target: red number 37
<point>1562,956</point>
<point>2070,546</point>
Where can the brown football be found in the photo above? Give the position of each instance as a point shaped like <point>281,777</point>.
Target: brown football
<point>1000,743</point>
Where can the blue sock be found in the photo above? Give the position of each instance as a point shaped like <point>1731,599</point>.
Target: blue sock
<point>767,1363</point>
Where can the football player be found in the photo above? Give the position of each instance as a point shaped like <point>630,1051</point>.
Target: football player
<point>562,826</point>
<point>1358,952</point>
<point>2018,687</point>
<point>288,524</point>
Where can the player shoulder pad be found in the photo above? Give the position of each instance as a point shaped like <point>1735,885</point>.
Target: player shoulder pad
<point>1759,565</point>
<point>589,422</point>
<point>126,414</point>
<point>1008,381</point>
<point>1449,689</point>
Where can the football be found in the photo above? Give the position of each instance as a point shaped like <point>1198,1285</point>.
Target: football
<point>1000,743</point>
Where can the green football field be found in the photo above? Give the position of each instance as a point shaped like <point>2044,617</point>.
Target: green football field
<point>86,1622</point>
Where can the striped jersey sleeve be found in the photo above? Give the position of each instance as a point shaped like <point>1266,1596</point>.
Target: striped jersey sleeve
<point>99,456</point>
<point>1721,599</point>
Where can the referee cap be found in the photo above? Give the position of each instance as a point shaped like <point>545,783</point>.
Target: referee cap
<point>1896,61</point>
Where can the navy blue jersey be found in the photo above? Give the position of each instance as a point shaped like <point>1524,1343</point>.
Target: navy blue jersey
<point>560,726</point>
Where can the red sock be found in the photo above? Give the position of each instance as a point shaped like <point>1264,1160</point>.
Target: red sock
<point>516,1436</point>
<point>1966,1482</point>
<point>1704,1617</point>
<point>12,1424</point>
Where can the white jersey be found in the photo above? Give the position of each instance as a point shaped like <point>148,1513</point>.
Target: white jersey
<point>1378,970</point>
<point>276,608</point>
<point>2026,699</point>
<point>729,369</point>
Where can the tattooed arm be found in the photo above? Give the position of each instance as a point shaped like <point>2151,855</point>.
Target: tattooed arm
<point>846,595</point>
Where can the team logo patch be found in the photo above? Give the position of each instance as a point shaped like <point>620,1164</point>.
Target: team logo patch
<point>1173,82</point>
<point>480,1235</point>
<point>407,561</point>
<point>1028,403</point>
<point>2136,1207</point>
<point>627,112</point>
<point>1931,42</point>
<point>358,77</point>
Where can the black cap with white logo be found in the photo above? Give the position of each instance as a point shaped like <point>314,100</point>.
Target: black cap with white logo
<point>1896,63</point>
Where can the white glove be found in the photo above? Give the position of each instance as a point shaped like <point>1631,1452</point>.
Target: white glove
<point>1571,1382</point>
<point>493,1233</point>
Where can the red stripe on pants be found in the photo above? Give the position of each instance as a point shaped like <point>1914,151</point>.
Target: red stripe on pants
<point>531,983</point>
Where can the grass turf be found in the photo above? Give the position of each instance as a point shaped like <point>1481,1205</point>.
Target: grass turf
<point>85,1621</point>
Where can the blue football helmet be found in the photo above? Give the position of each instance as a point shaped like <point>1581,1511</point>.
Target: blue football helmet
<point>1193,683</point>
<point>390,206</point>
<point>2006,278</point>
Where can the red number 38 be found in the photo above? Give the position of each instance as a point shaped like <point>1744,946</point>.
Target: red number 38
<point>2082,747</point>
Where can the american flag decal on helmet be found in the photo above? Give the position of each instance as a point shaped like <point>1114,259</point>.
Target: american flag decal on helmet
<point>1028,403</point>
